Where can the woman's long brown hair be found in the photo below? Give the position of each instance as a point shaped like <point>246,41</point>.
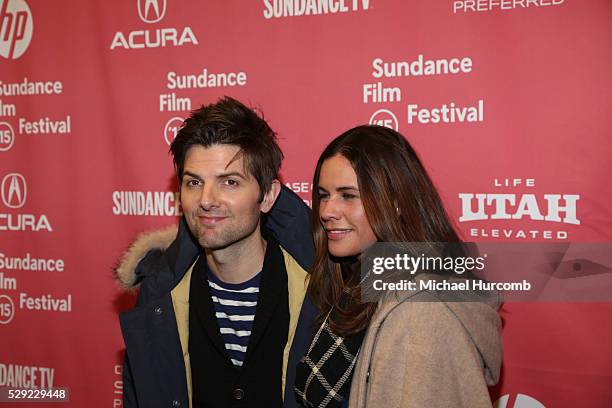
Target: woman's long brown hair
<point>400,203</point>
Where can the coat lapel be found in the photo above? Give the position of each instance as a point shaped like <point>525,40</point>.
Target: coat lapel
<point>202,306</point>
<point>273,282</point>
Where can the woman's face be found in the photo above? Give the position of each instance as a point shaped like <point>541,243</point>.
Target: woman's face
<point>341,211</point>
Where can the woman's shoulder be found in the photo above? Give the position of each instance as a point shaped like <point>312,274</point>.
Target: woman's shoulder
<point>418,316</point>
<point>433,311</point>
<point>425,325</point>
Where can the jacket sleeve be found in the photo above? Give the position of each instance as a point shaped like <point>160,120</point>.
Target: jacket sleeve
<point>424,357</point>
<point>129,393</point>
<point>129,389</point>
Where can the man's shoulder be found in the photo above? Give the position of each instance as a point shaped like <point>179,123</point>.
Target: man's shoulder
<point>144,257</point>
<point>289,222</point>
<point>291,264</point>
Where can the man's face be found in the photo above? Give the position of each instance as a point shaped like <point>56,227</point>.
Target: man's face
<point>219,197</point>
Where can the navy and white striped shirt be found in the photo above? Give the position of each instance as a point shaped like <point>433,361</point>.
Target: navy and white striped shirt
<point>235,305</point>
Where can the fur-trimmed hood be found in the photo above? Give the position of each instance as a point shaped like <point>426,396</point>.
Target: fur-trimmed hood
<point>125,272</point>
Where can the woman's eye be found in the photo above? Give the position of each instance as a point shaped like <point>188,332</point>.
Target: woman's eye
<point>347,196</point>
<point>323,196</point>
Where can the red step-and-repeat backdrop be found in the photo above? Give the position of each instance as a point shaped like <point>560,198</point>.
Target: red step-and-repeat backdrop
<point>507,102</point>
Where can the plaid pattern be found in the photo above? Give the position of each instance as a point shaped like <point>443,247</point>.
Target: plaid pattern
<point>323,376</point>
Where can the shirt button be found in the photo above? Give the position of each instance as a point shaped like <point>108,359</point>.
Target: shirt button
<point>238,394</point>
<point>176,403</point>
<point>158,311</point>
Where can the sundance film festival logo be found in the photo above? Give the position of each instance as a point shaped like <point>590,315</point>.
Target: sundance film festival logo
<point>16,26</point>
<point>14,190</point>
<point>7,136</point>
<point>172,128</point>
<point>7,309</point>
<point>386,118</point>
<point>151,12</point>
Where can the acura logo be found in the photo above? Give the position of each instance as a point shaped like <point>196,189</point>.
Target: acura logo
<point>151,11</point>
<point>14,190</point>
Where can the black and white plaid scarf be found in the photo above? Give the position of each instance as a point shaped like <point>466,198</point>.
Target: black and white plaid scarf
<point>323,376</point>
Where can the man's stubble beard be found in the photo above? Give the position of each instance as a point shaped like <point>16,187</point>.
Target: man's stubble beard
<point>227,236</point>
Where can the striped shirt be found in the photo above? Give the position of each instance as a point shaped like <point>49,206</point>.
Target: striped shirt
<point>235,305</point>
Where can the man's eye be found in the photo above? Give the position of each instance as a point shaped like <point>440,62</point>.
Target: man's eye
<point>323,196</point>
<point>192,183</point>
<point>231,182</point>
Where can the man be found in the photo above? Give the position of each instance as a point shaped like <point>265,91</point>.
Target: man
<point>221,318</point>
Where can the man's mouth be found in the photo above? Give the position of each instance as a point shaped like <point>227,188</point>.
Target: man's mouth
<point>210,220</point>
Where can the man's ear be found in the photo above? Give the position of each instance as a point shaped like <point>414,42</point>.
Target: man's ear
<point>270,197</point>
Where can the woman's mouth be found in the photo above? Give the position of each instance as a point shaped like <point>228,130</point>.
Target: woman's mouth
<point>335,234</point>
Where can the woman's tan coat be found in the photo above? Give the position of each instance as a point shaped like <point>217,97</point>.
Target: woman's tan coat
<point>422,352</point>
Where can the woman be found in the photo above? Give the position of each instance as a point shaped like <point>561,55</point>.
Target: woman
<point>407,349</point>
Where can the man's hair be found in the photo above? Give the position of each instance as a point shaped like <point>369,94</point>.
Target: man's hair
<point>230,122</point>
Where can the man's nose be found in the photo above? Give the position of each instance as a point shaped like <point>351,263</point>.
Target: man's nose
<point>208,198</point>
